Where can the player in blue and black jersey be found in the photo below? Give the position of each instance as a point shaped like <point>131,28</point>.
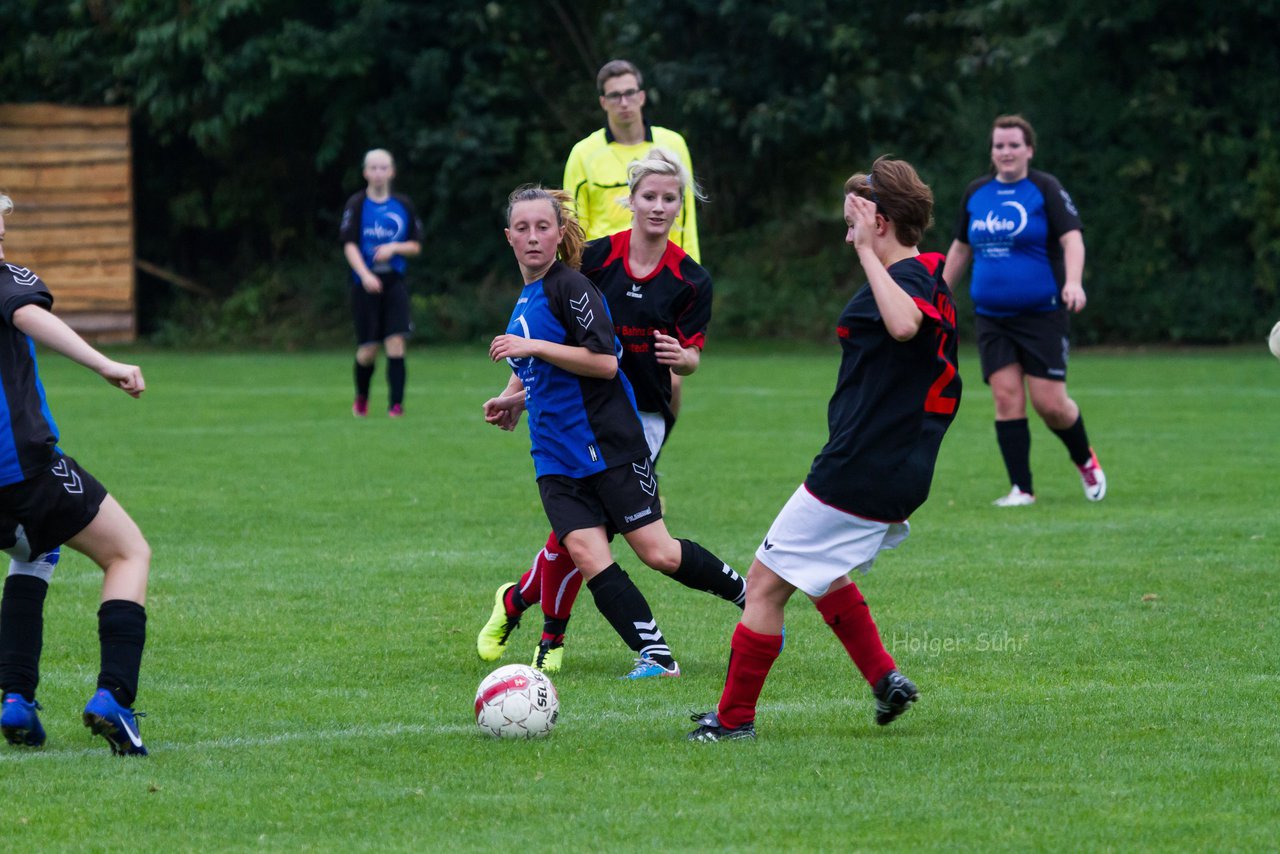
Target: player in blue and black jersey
<point>379,230</point>
<point>896,394</point>
<point>660,301</point>
<point>590,454</point>
<point>1024,235</point>
<point>47,500</point>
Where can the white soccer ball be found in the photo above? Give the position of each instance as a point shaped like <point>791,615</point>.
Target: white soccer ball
<point>1274,340</point>
<point>516,701</point>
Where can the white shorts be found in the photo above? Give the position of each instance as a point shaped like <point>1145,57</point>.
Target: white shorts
<point>655,432</point>
<point>812,544</point>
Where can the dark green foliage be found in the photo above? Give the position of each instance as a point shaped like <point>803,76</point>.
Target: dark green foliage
<point>251,117</point>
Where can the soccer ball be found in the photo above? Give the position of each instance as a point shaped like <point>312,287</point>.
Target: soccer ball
<point>516,701</point>
<point>1274,340</point>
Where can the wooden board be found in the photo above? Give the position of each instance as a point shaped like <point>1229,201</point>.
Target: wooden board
<point>69,172</point>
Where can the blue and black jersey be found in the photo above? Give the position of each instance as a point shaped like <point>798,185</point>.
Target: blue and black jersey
<point>369,224</point>
<point>1014,230</point>
<point>893,401</point>
<point>28,436</point>
<point>578,425</point>
<point>674,299</point>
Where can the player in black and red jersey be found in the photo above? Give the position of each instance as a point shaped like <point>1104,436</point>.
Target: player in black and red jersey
<point>660,300</point>
<point>896,394</point>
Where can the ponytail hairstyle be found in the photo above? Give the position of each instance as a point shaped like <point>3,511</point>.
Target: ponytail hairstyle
<point>900,197</point>
<point>660,161</point>
<point>6,205</point>
<point>570,248</point>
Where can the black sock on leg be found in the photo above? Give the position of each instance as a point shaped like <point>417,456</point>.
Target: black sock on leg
<point>122,633</point>
<point>1014,439</point>
<point>395,380</point>
<point>701,570</point>
<point>626,609</point>
<point>1077,442</point>
<point>364,377</point>
<point>22,634</point>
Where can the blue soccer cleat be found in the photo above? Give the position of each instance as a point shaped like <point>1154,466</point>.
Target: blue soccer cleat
<point>117,724</point>
<point>20,723</point>
<point>647,668</point>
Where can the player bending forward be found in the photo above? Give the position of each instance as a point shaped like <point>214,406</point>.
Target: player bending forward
<point>895,396</point>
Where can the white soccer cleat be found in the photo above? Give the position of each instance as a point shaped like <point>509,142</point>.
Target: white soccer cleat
<point>1092,478</point>
<point>1016,498</point>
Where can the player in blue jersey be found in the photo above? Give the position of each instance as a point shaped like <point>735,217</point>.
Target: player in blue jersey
<point>46,500</point>
<point>590,454</point>
<point>660,301</point>
<point>1023,233</point>
<point>379,230</point>
<point>896,394</point>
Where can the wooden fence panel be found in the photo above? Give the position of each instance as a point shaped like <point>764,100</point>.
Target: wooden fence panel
<point>69,172</point>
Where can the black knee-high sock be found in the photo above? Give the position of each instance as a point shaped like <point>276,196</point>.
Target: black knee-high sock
<point>624,606</point>
<point>1014,438</point>
<point>364,377</point>
<point>395,379</point>
<point>122,632</point>
<point>22,634</point>
<point>702,570</point>
<point>1077,442</point>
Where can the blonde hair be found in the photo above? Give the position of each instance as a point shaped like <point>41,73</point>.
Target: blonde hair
<point>570,248</point>
<point>900,196</point>
<point>6,205</point>
<point>660,161</point>
<point>375,151</point>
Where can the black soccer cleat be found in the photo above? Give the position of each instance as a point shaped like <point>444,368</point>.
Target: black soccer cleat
<point>894,693</point>
<point>710,729</point>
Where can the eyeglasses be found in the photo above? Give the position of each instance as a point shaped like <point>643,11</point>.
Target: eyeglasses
<point>615,97</point>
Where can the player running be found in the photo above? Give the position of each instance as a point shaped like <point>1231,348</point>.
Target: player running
<point>47,500</point>
<point>592,461</point>
<point>660,300</point>
<point>896,395</point>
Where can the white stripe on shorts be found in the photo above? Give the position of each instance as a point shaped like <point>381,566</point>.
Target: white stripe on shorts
<point>811,544</point>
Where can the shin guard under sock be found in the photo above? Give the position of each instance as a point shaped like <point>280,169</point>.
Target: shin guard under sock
<point>1077,442</point>
<point>846,612</point>
<point>22,634</point>
<point>1014,439</point>
<point>122,632</point>
<point>701,570</point>
<point>751,654</point>
<point>626,609</point>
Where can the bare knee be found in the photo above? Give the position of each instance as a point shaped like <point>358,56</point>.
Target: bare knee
<point>664,557</point>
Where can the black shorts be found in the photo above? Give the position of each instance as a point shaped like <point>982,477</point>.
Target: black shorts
<point>379,316</point>
<point>1037,342</point>
<point>47,510</point>
<point>623,499</point>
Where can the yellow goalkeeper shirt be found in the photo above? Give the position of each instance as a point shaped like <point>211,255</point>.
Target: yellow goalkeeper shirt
<point>596,175</point>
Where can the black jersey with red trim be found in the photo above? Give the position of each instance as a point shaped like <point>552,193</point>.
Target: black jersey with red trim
<point>674,299</point>
<point>893,401</point>
<point>28,435</point>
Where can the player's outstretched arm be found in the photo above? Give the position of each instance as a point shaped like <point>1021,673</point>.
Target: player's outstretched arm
<point>47,330</point>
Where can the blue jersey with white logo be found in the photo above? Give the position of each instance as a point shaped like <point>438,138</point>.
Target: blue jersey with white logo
<point>369,224</point>
<point>1014,230</point>
<point>28,436</point>
<point>578,425</point>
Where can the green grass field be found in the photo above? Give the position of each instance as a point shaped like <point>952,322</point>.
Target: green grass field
<point>1093,677</point>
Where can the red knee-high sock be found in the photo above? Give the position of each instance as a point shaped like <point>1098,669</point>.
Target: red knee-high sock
<point>530,586</point>
<point>561,582</point>
<point>750,657</point>
<point>846,612</point>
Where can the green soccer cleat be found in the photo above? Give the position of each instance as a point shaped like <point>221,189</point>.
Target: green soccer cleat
<point>548,658</point>
<point>491,643</point>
